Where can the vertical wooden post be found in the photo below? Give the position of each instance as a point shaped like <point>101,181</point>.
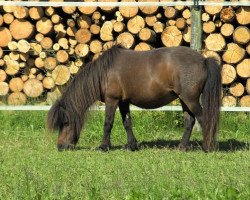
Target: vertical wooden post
<point>196,27</point>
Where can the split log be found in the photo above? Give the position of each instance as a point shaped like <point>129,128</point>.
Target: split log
<point>16,84</point>
<point>82,50</point>
<point>186,13</point>
<point>248,86</point>
<point>107,9</point>
<point>49,11</point>
<point>228,74</point>
<point>46,43</point>
<point>86,10</point>
<point>24,57</point>
<point>14,56</point>
<point>215,42</point>
<point>142,46</point>
<point>135,24</point>
<point>95,46</point>
<point>148,10</point>
<point>130,11</point>
<point>147,35</point>
<point>84,21</point>
<point>39,62</point>
<point>48,83</point>
<point>119,27</point>
<point>227,14</point>
<point>23,46</point>
<point>6,37</point>
<point>21,29</point>
<point>17,98</point>
<point>213,10</point>
<point>50,63</point>
<point>229,101</point>
<point>151,20</point>
<point>245,101</point>
<point>248,48</point>
<point>208,27</point>
<point>56,19</point>
<point>62,56</point>
<point>187,34</point>
<point>12,67</point>
<point>214,55</point>
<point>126,39</point>
<point>8,18</point>
<point>21,12</point>
<point>61,75</point>
<point>33,88</point>
<point>95,29</point>
<point>243,68</point>
<point>4,88</point>
<point>12,45</point>
<point>227,29</point>
<point>171,36</point>
<point>3,75</point>
<point>69,9</point>
<point>53,95</point>
<point>1,20</point>
<point>36,13</point>
<point>170,12</point>
<point>241,35</point>
<point>106,32</point>
<point>158,27</point>
<point>236,89</point>
<point>242,15</point>
<point>44,26</point>
<point>205,17</point>
<point>233,54</point>
<point>83,36</point>
<point>181,23</point>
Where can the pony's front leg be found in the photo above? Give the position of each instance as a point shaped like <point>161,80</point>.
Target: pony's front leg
<point>110,108</point>
<point>126,119</point>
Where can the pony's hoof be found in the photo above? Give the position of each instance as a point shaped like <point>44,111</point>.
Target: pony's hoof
<point>132,147</point>
<point>183,147</point>
<point>104,148</point>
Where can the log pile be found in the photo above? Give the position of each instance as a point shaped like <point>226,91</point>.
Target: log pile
<point>42,48</point>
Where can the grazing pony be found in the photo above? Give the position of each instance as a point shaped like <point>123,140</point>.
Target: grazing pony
<point>147,79</point>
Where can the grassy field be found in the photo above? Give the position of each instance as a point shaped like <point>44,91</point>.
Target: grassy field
<point>32,168</point>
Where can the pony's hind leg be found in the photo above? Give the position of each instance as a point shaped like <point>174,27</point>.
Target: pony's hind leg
<point>110,108</point>
<point>189,121</point>
<point>126,119</point>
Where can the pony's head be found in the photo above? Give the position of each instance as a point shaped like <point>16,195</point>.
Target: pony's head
<point>59,118</point>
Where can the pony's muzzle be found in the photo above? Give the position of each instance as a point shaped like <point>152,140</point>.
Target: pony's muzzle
<point>64,147</point>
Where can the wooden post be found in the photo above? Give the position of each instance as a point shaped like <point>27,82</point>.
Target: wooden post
<point>196,26</point>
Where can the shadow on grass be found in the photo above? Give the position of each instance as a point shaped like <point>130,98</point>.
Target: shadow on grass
<point>227,146</point>
<point>224,146</point>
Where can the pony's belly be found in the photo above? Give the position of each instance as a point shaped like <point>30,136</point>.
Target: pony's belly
<point>154,102</point>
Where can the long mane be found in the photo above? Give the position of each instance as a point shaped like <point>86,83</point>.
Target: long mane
<point>84,89</point>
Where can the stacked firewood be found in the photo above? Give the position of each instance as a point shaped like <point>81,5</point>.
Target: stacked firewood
<point>42,48</point>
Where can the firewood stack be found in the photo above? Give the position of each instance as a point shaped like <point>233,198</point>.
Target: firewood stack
<point>42,48</point>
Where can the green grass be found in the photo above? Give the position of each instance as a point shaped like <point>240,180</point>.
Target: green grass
<point>32,168</point>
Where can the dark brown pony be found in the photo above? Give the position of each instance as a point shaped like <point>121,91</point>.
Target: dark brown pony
<point>148,79</point>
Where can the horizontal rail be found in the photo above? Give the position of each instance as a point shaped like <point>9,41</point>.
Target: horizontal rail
<point>164,108</point>
<point>118,4</point>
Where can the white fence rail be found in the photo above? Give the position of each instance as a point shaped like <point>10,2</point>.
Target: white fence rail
<point>117,4</point>
<point>164,108</point>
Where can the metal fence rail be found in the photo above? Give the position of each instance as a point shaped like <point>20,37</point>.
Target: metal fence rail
<point>117,4</point>
<point>100,108</point>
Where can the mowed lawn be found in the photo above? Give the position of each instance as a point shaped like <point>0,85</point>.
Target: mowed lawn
<point>32,168</point>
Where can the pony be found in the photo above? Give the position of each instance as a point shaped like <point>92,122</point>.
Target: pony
<point>147,79</point>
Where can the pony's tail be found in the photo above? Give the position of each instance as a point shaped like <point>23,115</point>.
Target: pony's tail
<point>56,117</point>
<point>211,103</point>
